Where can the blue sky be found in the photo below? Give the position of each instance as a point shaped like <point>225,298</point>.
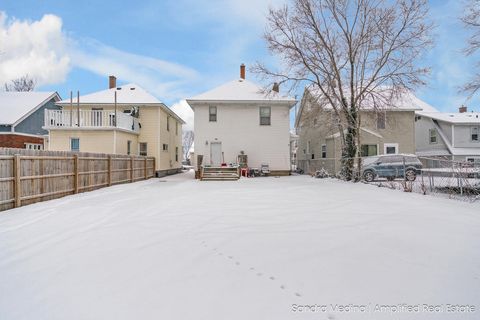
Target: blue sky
<point>177,49</point>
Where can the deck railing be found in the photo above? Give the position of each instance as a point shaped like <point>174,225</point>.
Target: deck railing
<point>90,119</point>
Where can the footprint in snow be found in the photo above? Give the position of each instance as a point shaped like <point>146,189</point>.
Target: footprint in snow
<point>237,263</point>
<point>252,268</point>
<point>230,257</point>
<point>272,278</point>
<point>259,274</point>
<point>298,294</point>
<point>282,287</point>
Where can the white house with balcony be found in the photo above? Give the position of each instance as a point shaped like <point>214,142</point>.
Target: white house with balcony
<point>448,135</point>
<point>239,118</point>
<point>123,120</point>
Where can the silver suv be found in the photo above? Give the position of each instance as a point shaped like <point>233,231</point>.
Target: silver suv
<point>391,166</point>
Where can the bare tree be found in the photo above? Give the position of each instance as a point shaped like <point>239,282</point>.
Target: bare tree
<point>187,143</point>
<point>24,83</point>
<point>355,53</point>
<point>471,20</point>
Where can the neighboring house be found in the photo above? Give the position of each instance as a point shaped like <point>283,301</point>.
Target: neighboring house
<point>450,136</point>
<point>293,150</point>
<point>121,120</point>
<point>389,131</point>
<point>239,118</point>
<point>21,118</point>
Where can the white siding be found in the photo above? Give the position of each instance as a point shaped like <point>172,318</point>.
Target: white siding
<point>238,128</point>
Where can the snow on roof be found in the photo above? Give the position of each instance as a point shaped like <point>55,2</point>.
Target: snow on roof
<point>406,102</point>
<point>15,105</point>
<point>458,118</point>
<point>126,94</point>
<point>241,90</point>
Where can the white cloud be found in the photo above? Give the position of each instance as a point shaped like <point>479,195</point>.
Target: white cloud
<point>183,110</point>
<point>162,78</point>
<point>36,48</point>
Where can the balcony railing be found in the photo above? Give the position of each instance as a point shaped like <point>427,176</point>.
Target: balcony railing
<point>90,119</point>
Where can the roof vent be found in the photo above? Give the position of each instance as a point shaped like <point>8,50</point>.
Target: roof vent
<point>132,88</point>
<point>119,88</point>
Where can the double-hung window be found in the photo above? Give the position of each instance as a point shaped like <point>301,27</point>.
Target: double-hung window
<point>324,151</point>
<point>433,136</point>
<point>475,133</point>
<point>381,120</point>
<point>265,116</point>
<point>143,149</point>
<point>212,114</point>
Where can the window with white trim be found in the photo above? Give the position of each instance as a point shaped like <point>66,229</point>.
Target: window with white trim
<point>433,136</point>
<point>390,148</point>
<point>142,149</point>
<point>474,134</point>
<point>33,146</point>
<point>165,147</point>
<point>324,151</point>
<point>212,114</point>
<point>265,116</point>
<point>74,144</point>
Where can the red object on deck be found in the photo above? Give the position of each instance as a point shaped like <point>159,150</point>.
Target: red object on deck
<point>244,172</point>
<point>223,165</point>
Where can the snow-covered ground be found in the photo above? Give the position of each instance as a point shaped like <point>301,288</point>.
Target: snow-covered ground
<point>175,248</point>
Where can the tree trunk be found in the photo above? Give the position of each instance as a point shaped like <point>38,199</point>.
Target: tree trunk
<point>350,148</point>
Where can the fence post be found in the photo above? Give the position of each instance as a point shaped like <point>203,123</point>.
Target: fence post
<point>75,173</point>
<point>145,166</point>
<point>132,161</point>
<point>18,188</point>
<point>109,170</point>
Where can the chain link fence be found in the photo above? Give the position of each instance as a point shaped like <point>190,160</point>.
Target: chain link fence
<point>434,176</point>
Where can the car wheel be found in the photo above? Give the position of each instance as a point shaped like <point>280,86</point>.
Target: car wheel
<point>368,176</point>
<point>410,175</point>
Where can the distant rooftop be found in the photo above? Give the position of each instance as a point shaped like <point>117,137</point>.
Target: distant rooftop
<point>15,105</point>
<point>406,102</point>
<point>126,94</point>
<point>459,118</point>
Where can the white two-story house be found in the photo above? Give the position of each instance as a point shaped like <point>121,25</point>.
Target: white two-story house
<point>237,118</point>
<point>451,136</point>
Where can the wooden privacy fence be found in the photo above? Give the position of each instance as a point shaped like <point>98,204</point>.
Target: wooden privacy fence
<point>29,176</point>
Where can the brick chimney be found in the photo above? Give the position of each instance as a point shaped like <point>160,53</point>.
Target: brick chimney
<point>462,109</point>
<point>276,87</point>
<point>242,71</point>
<point>112,82</point>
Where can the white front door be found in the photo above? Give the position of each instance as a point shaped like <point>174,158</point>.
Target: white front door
<point>216,153</point>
